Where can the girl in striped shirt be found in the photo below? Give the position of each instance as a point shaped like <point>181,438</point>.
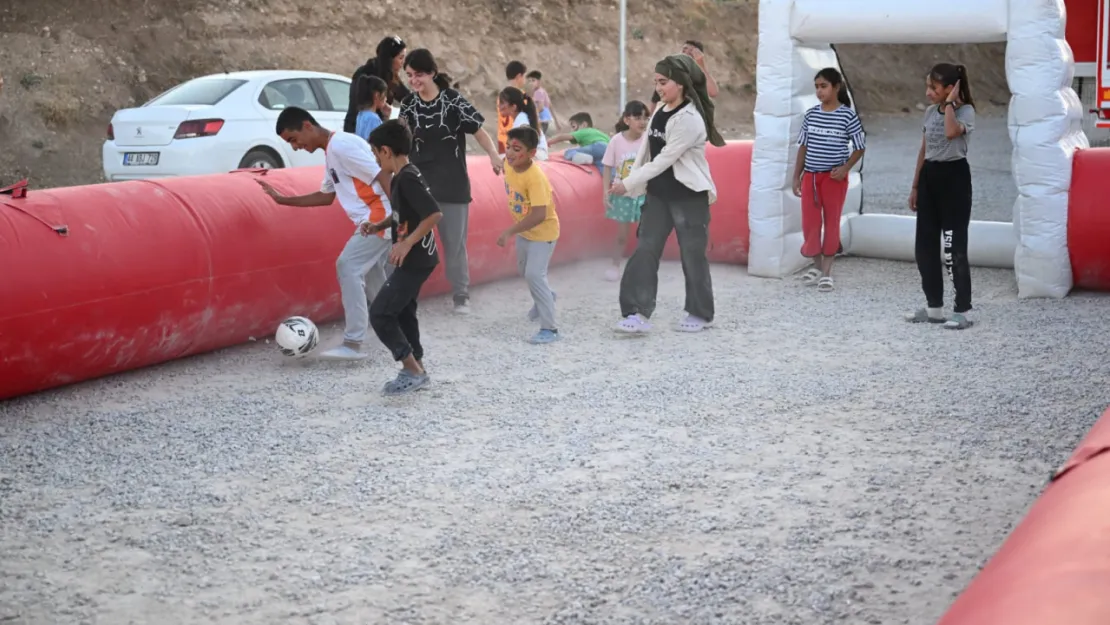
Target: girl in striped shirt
<point>821,173</point>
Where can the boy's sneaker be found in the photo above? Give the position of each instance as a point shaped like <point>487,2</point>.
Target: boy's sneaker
<point>405,382</point>
<point>958,321</point>
<point>462,305</point>
<point>581,158</point>
<point>344,352</point>
<point>544,336</point>
<point>633,324</point>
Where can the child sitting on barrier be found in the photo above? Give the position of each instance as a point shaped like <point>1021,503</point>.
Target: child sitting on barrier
<point>591,142</point>
<point>821,172</point>
<point>536,226</point>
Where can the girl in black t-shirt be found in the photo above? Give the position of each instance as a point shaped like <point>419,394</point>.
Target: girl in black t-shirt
<point>440,118</point>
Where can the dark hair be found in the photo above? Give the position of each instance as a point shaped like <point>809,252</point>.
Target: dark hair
<point>635,108</point>
<point>946,74</point>
<point>421,60</point>
<point>293,119</point>
<point>535,74</point>
<point>367,86</point>
<point>832,75</point>
<point>694,42</point>
<point>393,134</point>
<point>582,118</point>
<point>515,97</point>
<point>526,135</point>
<point>655,97</point>
<point>388,49</point>
<point>514,69</point>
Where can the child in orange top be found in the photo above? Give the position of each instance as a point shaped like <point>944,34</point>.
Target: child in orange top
<point>535,225</point>
<point>514,73</point>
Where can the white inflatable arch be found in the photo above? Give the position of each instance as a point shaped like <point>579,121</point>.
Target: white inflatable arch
<point>1045,117</point>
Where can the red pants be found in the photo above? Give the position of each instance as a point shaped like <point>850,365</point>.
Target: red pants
<point>822,200</point>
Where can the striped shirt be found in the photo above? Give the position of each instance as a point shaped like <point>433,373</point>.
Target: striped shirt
<point>826,134</point>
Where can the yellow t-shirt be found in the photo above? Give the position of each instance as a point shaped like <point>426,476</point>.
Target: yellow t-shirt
<point>527,189</point>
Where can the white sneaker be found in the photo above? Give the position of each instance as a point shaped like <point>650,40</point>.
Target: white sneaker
<point>613,274</point>
<point>462,308</point>
<point>344,352</point>
<point>581,158</point>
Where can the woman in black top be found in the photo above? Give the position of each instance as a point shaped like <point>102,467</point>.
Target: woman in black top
<point>390,56</point>
<point>440,118</point>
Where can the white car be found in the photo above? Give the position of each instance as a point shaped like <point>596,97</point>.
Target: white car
<point>218,123</point>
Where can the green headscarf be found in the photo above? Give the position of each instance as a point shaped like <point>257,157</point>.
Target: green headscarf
<point>682,69</point>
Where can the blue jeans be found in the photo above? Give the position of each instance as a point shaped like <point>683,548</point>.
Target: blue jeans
<point>596,150</point>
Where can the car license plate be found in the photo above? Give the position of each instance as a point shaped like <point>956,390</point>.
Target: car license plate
<point>140,158</point>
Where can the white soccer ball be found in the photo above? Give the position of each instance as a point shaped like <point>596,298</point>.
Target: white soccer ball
<point>296,336</point>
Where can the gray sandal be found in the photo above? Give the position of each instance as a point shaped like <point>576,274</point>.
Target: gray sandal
<point>922,316</point>
<point>405,382</point>
<point>958,321</point>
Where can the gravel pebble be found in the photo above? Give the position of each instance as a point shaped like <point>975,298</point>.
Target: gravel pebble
<point>812,459</point>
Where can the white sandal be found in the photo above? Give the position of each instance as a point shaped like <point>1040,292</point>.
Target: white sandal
<point>825,284</point>
<point>692,324</point>
<point>810,276</point>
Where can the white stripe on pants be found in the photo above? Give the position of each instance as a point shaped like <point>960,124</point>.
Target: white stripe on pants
<point>532,259</point>
<point>361,270</point>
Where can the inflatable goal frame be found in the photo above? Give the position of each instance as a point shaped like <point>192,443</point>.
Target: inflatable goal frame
<point>1045,126</point>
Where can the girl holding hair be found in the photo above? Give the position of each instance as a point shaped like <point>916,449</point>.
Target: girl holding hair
<point>619,157</point>
<point>672,171</point>
<point>821,172</point>
<point>372,107</point>
<point>941,196</point>
<point>440,118</point>
<point>513,103</point>
<point>386,64</point>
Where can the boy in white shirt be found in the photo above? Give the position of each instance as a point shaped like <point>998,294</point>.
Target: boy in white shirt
<point>351,175</point>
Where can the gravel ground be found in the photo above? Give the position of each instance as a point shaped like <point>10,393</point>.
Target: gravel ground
<point>893,142</point>
<point>812,459</point>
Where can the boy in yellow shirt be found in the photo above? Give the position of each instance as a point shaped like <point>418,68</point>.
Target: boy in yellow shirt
<point>535,225</point>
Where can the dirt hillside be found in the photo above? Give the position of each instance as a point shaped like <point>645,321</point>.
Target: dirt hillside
<point>68,64</point>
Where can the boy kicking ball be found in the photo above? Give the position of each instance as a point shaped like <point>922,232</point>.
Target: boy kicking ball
<point>393,312</point>
<point>536,225</point>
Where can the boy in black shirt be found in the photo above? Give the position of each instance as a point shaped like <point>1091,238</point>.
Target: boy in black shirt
<point>415,214</point>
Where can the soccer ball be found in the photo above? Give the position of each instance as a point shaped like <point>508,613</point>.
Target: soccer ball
<point>296,336</point>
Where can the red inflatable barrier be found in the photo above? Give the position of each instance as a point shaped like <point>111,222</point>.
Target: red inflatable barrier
<point>111,277</point>
<point>729,240</point>
<point>1054,569</point>
<point>1089,220</point>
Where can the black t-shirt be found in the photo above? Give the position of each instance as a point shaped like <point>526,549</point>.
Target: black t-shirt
<point>439,130</point>
<point>665,185</point>
<point>412,203</point>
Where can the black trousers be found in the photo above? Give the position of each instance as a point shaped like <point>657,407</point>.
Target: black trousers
<point>393,313</point>
<point>943,216</point>
<point>689,219</point>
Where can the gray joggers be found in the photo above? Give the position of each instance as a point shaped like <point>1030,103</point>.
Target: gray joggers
<point>452,233</point>
<point>532,260</point>
<point>361,269</point>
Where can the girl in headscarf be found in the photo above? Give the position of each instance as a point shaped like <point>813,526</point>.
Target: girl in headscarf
<point>672,171</point>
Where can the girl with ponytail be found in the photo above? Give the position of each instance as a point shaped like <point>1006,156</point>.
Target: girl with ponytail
<point>439,118</point>
<point>821,172</point>
<point>514,104</point>
<point>941,196</point>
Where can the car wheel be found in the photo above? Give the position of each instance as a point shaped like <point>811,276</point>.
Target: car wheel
<point>260,159</point>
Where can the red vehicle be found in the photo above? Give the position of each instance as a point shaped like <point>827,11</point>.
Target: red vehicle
<point>1088,34</point>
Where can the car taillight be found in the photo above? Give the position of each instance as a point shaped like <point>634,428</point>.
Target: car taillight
<point>198,128</point>
<point>111,133</point>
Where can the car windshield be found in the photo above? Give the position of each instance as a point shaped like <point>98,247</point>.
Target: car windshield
<point>200,91</point>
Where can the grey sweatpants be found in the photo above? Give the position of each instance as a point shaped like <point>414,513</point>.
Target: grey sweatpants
<point>452,233</point>
<point>689,219</point>
<point>532,259</point>
<point>361,269</point>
